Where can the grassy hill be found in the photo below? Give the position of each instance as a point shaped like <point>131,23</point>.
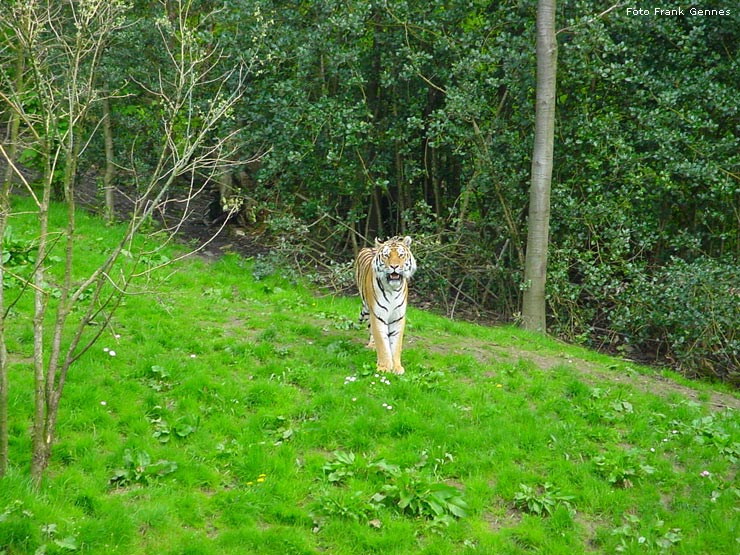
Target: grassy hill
<point>226,414</point>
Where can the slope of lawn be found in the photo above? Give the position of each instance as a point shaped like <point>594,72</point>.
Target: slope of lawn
<point>223,414</point>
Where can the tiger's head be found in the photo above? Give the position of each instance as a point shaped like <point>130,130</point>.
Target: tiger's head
<point>394,262</point>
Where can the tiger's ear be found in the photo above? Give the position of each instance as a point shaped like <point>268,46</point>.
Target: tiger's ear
<point>378,242</point>
<point>407,241</point>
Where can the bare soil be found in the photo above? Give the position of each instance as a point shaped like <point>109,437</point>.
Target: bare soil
<point>591,372</point>
<point>199,220</point>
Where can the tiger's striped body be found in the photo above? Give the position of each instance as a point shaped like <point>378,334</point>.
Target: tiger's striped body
<point>382,274</point>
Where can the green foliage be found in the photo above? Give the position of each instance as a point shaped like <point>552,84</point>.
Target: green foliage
<point>710,430</point>
<point>18,252</point>
<point>159,378</point>
<point>163,432</point>
<point>690,310</point>
<point>621,468</point>
<point>639,183</point>
<point>542,500</point>
<point>138,468</point>
<point>413,491</point>
<point>635,533</point>
<point>340,468</point>
<point>417,493</point>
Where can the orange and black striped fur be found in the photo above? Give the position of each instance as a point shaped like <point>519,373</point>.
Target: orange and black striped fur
<point>382,274</point>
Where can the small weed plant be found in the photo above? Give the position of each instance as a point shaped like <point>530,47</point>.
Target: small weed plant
<point>621,469</point>
<point>138,468</point>
<point>653,537</point>
<point>413,491</point>
<point>542,500</point>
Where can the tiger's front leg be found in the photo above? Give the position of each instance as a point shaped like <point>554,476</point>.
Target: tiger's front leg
<point>379,336</point>
<point>388,343</point>
<point>396,341</point>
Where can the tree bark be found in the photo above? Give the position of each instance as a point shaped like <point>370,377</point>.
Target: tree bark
<point>4,429</point>
<point>535,266</point>
<point>39,459</point>
<point>7,188</point>
<point>110,168</point>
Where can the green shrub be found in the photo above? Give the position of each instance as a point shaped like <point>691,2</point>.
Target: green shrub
<point>413,491</point>
<point>688,312</point>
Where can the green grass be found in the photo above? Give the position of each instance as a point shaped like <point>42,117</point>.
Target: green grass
<point>226,423</point>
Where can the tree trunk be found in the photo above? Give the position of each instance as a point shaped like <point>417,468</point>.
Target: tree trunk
<point>7,188</point>
<point>4,428</point>
<point>535,266</point>
<point>110,168</point>
<point>39,459</point>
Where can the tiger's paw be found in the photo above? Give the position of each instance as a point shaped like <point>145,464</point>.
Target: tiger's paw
<point>399,370</point>
<point>383,368</point>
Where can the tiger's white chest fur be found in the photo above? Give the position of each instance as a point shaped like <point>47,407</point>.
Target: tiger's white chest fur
<point>389,309</point>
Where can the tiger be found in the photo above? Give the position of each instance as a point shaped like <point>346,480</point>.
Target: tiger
<point>382,274</point>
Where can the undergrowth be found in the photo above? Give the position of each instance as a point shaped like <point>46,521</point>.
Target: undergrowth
<point>227,414</point>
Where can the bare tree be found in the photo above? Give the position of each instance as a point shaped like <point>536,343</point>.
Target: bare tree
<point>535,266</point>
<point>62,45</point>
<point>7,186</point>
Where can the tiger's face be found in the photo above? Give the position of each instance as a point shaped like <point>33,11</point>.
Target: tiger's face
<point>394,261</point>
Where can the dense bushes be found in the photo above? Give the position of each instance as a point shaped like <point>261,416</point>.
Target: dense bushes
<point>688,313</point>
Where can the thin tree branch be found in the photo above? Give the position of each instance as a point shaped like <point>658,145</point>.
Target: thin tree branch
<point>591,19</point>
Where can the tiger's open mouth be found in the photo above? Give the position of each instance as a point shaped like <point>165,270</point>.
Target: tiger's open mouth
<point>394,277</point>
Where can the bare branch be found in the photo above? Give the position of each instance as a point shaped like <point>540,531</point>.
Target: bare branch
<point>9,161</point>
<point>591,19</point>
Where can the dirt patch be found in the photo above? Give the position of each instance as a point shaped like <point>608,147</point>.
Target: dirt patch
<point>653,383</point>
<point>198,220</point>
<point>501,517</point>
<point>591,372</point>
<point>590,527</point>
